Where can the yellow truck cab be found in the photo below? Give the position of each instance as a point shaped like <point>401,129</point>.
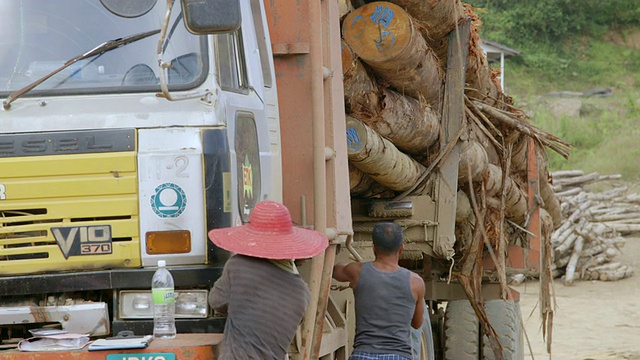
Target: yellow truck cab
<point>124,139</point>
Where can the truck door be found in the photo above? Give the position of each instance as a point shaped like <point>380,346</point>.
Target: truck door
<point>240,76</point>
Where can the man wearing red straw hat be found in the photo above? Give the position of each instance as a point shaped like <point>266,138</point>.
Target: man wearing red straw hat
<point>389,299</point>
<point>260,289</point>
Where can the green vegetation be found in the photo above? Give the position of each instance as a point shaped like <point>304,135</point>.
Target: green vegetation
<point>575,46</point>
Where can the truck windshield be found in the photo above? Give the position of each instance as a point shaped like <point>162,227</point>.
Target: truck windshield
<point>39,36</point>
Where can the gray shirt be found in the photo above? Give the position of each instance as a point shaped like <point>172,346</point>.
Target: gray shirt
<point>265,304</point>
<point>384,307</point>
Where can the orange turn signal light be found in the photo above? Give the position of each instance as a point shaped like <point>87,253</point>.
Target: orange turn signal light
<point>168,242</point>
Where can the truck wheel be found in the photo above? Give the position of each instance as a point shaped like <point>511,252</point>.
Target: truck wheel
<point>461,332</point>
<point>506,319</point>
<point>438,335</point>
<point>427,339</point>
<point>422,339</point>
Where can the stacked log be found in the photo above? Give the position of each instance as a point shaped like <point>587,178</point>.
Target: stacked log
<point>383,35</point>
<point>588,242</point>
<point>394,60</point>
<point>408,123</point>
<point>395,57</point>
<point>436,19</point>
<point>380,158</point>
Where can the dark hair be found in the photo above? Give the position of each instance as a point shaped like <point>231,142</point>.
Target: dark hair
<point>387,237</point>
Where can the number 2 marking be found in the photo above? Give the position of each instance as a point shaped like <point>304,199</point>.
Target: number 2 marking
<point>182,162</point>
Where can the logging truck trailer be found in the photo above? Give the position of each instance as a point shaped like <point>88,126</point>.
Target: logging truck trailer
<point>129,129</point>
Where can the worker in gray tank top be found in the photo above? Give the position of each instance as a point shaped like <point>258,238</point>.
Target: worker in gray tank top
<point>389,299</point>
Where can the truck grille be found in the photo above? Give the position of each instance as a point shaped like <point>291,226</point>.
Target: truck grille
<point>19,238</point>
<point>72,190</point>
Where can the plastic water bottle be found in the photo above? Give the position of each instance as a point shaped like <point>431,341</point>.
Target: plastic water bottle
<point>164,303</point>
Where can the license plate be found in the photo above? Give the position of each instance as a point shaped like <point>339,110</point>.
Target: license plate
<point>146,356</point>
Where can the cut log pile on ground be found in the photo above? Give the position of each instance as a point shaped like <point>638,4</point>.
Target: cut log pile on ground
<point>591,237</point>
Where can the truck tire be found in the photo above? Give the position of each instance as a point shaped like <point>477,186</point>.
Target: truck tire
<point>427,338</point>
<point>422,339</point>
<point>461,332</point>
<point>506,319</point>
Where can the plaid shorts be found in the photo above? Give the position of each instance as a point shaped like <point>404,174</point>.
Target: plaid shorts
<point>359,355</point>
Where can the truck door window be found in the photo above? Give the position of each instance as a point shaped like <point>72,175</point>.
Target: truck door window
<point>262,42</point>
<point>231,64</point>
<point>248,163</point>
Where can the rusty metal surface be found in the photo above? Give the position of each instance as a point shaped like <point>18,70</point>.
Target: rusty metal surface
<point>184,346</point>
<point>528,258</point>
<point>305,39</point>
<point>288,28</point>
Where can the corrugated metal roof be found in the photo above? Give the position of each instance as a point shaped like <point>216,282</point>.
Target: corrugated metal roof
<point>491,46</point>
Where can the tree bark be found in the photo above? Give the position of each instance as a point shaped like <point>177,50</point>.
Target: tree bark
<point>515,201</point>
<point>578,180</point>
<point>410,125</point>
<point>383,35</point>
<point>622,272</point>
<point>566,173</point>
<point>363,185</point>
<point>624,228</point>
<point>361,91</point>
<point>474,156</point>
<point>573,261</point>
<point>551,202</point>
<point>566,245</point>
<point>616,216</point>
<point>436,20</point>
<point>379,158</point>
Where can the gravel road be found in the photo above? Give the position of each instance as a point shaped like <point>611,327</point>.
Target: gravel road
<point>594,320</point>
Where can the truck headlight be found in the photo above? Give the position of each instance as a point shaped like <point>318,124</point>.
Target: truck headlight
<point>137,304</point>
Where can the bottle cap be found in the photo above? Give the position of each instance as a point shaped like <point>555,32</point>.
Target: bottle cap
<point>162,263</point>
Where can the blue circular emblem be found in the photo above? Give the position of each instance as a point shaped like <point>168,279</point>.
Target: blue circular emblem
<point>169,200</point>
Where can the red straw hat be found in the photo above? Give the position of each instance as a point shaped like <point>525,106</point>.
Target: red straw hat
<point>270,234</point>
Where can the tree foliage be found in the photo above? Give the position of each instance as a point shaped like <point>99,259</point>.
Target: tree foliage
<point>549,33</point>
<point>553,22</point>
<point>563,48</point>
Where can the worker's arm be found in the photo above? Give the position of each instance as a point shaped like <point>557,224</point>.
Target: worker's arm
<point>347,273</point>
<point>418,289</point>
<point>219,295</point>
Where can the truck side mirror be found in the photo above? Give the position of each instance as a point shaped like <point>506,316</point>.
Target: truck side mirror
<point>203,17</point>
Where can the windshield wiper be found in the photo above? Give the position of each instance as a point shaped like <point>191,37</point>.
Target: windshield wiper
<point>98,50</point>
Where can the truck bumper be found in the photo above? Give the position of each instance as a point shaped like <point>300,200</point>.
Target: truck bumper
<point>105,279</point>
<point>184,346</point>
<point>92,318</point>
<point>108,281</point>
<point>145,326</point>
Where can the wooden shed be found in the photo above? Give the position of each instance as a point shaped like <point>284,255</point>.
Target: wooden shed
<point>496,52</point>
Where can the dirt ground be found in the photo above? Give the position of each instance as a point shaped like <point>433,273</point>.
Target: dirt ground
<point>593,320</point>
